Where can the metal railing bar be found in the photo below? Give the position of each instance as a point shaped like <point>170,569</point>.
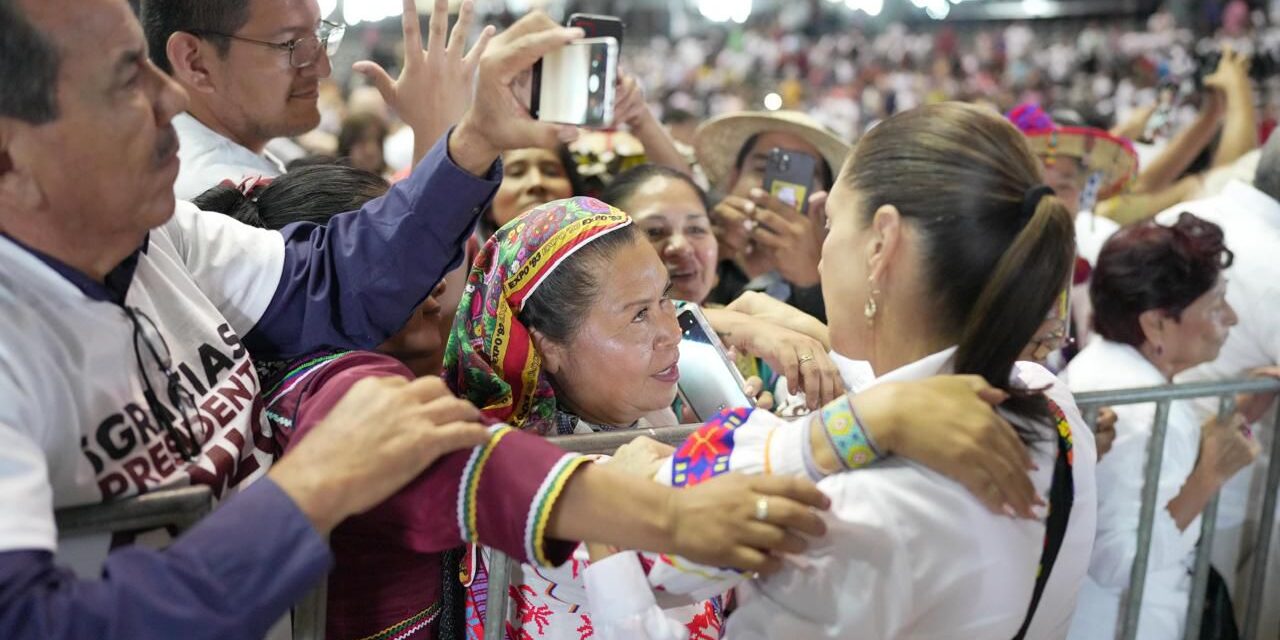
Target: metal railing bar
<point>1146,519</point>
<point>180,508</point>
<point>495,615</point>
<point>1267,524</point>
<point>1139,395</point>
<point>1204,547</point>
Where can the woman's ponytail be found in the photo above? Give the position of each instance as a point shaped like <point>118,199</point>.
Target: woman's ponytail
<point>1022,289</point>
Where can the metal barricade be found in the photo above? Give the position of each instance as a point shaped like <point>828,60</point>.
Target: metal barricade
<point>178,508</point>
<point>1089,404</point>
<point>1163,396</point>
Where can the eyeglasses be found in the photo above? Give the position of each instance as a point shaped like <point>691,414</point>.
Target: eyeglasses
<point>148,342</point>
<point>302,51</point>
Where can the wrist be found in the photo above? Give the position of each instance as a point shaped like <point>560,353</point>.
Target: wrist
<point>1205,479</point>
<point>470,150</point>
<point>876,411</point>
<point>311,495</point>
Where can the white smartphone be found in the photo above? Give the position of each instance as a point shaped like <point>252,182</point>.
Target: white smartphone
<point>576,84</point>
<point>709,381</point>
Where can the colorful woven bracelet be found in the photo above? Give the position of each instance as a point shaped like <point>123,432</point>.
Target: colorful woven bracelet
<point>849,439</point>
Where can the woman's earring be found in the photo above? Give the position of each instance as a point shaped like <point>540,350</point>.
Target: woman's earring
<point>870,309</point>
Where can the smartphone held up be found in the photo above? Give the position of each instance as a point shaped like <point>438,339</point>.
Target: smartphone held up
<point>577,84</point>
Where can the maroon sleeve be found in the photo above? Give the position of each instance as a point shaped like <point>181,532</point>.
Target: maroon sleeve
<point>499,495</point>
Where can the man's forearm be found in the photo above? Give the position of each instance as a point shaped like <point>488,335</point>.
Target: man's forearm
<point>222,579</point>
<point>354,282</point>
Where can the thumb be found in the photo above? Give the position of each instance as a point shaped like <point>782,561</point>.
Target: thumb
<point>379,77</point>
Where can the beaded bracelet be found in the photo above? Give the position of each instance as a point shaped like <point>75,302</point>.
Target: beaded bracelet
<point>848,437</point>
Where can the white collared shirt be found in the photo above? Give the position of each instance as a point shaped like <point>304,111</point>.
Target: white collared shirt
<point>908,553</point>
<point>1105,365</point>
<point>207,158</point>
<point>1250,222</point>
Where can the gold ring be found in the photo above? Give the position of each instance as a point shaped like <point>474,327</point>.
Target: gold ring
<point>762,508</point>
<point>806,358</point>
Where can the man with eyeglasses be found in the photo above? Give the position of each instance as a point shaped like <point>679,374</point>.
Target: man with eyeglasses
<point>252,71</point>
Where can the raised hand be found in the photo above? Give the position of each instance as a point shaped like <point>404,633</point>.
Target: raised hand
<point>790,235</point>
<point>436,83</point>
<point>499,117</point>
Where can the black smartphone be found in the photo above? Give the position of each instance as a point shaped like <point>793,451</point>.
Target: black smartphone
<point>599,26</point>
<point>576,84</point>
<point>788,176</point>
<point>709,380</point>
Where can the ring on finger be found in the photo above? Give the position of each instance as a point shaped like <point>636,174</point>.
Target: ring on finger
<point>762,508</point>
<point>806,357</point>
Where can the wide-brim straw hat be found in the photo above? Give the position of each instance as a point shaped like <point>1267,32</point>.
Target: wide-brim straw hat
<point>718,140</point>
<point>1096,149</point>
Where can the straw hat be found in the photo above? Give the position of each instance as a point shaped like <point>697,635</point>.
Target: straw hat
<point>1098,150</point>
<point>718,140</point>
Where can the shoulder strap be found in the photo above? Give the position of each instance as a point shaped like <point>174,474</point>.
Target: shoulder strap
<point>1061,497</point>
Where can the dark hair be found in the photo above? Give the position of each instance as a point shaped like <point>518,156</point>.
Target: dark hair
<point>163,18</point>
<point>559,305</point>
<point>576,183</point>
<point>625,185</point>
<point>356,127</point>
<point>824,169</point>
<point>1150,266</point>
<point>29,64</point>
<point>960,174</point>
<point>309,194</point>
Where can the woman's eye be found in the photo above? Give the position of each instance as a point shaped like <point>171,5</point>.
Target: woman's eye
<point>656,234</point>
<point>697,231</point>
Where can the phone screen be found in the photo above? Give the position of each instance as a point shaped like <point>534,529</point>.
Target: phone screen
<point>575,84</point>
<point>709,381</point>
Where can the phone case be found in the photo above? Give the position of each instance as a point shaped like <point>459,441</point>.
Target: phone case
<point>709,381</point>
<point>788,176</point>
<point>599,26</point>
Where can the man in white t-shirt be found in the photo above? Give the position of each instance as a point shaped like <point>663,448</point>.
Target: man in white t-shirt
<point>126,322</point>
<point>252,69</point>
<point>1250,219</point>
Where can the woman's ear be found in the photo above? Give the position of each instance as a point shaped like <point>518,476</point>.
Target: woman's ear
<point>553,353</point>
<point>885,240</point>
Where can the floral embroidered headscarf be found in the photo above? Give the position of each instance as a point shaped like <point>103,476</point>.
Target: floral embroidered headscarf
<point>490,359</point>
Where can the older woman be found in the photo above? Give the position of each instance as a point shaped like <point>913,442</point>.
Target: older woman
<point>671,209</point>
<point>566,327</point>
<point>1159,307</point>
<point>945,254</point>
<point>516,492</point>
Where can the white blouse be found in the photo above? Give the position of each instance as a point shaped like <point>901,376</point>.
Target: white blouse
<point>1110,365</point>
<point>908,553</point>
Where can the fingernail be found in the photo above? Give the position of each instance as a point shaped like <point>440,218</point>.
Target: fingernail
<point>758,193</point>
<point>576,32</point>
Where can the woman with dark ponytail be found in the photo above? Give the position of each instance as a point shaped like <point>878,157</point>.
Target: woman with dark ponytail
<point>945,254</point>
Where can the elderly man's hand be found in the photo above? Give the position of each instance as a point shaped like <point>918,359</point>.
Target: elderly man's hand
<point>382,434</point>
<point>435,85</point>
<point>499,117</point>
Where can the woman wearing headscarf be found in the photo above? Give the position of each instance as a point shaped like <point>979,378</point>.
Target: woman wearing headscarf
<point>566,326</point>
